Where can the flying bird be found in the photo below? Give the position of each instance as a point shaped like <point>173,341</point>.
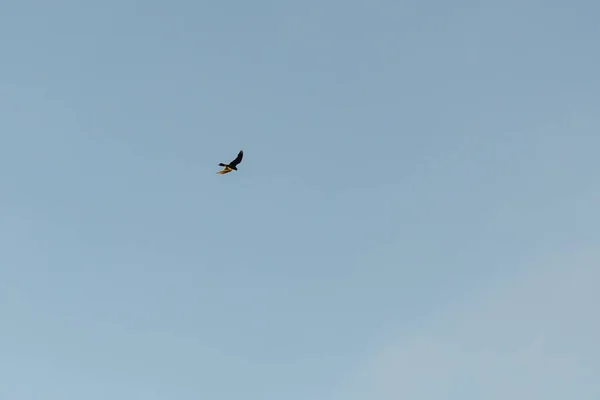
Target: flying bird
<point>232,166</point>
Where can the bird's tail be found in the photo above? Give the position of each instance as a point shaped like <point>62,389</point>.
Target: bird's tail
<point>222,165</point>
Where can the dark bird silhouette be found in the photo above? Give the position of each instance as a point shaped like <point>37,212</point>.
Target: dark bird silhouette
<point>232,166</point>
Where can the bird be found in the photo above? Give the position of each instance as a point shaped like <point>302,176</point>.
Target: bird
<point>232,166</point>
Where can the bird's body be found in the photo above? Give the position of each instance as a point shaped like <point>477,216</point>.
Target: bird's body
<point>232,166</point>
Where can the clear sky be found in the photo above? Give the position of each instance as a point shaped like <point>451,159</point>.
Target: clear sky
<point>416,215</point>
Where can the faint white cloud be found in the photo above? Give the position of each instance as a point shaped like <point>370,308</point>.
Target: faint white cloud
<point>536,336</point>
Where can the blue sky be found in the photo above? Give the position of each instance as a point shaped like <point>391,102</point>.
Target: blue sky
<point>415,216</point>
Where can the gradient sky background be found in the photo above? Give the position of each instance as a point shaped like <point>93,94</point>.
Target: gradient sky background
<point>416,216</point>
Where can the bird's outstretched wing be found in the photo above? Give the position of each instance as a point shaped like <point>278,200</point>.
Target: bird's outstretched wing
<point>225,170</point>
<point>238,159</point>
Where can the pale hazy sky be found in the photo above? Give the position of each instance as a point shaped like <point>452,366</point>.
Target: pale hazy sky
<point>416,216</point>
